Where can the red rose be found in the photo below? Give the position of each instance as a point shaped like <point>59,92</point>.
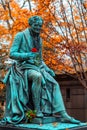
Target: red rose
<point>34,50</point>
<point>32,115</point>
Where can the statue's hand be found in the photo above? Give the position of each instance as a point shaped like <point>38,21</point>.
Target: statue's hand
<point>36,58</point>
<point>51,72</point>
<point>35,54</point>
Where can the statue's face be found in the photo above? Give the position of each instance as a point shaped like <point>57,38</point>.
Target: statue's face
<point>36,26</point>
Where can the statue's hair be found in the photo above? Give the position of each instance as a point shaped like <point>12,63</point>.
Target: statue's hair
<point>33,19</point>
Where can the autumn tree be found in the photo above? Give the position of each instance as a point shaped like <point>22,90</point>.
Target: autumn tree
<point>13,18</point>
<point>9,26</point>
<point>3,57</point>
<point>3,67</point>
<point>66,36</point>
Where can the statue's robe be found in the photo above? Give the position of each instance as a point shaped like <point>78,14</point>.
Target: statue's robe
<point>17,83</point>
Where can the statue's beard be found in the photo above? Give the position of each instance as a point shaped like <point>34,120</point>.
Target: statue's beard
<point>33,33</point>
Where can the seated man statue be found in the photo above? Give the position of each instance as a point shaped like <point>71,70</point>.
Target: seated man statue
<point>29,66</point>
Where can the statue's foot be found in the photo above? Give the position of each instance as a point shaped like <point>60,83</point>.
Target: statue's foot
<point>66,118</point>
<point>70,120</point>
<point>39,114</point>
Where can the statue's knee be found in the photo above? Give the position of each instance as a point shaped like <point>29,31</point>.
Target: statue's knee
<point>38,75</point>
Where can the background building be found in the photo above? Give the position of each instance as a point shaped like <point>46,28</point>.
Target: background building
<point>74,95</point>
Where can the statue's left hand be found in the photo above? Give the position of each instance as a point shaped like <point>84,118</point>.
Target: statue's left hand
<point>51,72</point>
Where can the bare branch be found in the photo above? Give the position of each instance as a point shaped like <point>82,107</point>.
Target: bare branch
<point>8,5</point>
<point>4,6</point>
<point>29,3</point>
<point>23,4</point>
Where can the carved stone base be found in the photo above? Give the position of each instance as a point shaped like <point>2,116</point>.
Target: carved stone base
<point>45,123</point>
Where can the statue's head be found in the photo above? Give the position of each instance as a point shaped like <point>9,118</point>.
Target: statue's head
<point>36,23</point>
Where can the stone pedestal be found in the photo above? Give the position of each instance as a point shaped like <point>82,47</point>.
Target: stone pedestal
<point>45,123</point>
<point>43,127</point>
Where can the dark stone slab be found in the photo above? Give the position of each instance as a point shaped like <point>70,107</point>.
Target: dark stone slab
<point>16,128</point>
<point>80,128</point>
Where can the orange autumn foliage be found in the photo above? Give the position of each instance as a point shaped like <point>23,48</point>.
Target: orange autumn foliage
<point>1,85</point>
<point>64,31</point>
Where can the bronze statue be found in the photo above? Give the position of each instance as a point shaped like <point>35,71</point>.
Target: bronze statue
<point>29,75</point>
